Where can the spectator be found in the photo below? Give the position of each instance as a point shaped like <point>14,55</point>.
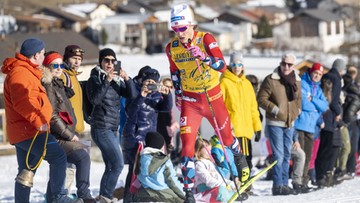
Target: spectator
<point>104,89</point>
<point>280,97</point>
<point>220,160</point>
<point>209,184</point>
<point>137,80</point>
<point>243,110</point>
<point>195,60</point>
<point>330,139</point>
<point>298,157</point>
<point>63,122</point>
<point>142,113</point>
<point>313,104</point>
<point>351,108</point>
<point>156,173</point>
<point>28,112</point>
<point>73,57</point>
<point>166,125</point>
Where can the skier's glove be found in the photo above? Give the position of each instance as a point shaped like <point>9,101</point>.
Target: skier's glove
<point>196,52</point>
<point>257,136</point>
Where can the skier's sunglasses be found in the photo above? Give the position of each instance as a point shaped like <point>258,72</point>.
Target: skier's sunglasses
<point>180,29</point>
<point>56,66</point>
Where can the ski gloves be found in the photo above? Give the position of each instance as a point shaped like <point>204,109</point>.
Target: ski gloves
<point>196,52</point>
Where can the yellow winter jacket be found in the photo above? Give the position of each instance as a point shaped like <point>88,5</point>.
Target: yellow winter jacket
<point>76,100</point>
<point>240,101</point>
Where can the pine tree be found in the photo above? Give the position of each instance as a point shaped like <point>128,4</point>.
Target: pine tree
<point>264,28</point>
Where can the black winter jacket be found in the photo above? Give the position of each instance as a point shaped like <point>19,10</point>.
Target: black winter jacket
<point>105,97</point>
<point>352,100</point>
<point>335,78</point>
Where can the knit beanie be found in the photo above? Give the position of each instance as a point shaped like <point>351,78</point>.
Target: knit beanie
<point>236,57</point>
<point>106,52</point>
<point>152,74</point>
<point>181,15</point>
<point>31,46</point>
<point>154,140</point>
<point>317,67</point>
<point>142,72</point>
<point>73,50</point>
<point>339,65</point>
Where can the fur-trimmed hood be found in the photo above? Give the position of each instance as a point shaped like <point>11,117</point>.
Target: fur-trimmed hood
<point>46,76</point>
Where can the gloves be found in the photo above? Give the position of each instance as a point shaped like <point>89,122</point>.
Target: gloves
<point>196,52</point>
<point>257,136</point>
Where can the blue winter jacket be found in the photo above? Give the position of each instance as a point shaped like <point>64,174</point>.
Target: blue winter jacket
<point>311,110</point>
<point>142,113</point>
<point>157,172</point>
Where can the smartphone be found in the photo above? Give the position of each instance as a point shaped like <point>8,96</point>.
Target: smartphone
<point>117,66</point>
<point>154,87</point>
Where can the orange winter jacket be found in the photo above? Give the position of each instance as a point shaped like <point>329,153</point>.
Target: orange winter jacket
<point>26,104</point>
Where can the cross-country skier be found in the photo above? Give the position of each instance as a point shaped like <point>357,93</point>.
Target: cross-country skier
<point>195,60</point>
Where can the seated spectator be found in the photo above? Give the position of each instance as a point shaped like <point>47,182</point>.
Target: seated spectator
<point>156,173</point>
<point>209,184</point>
<point>220,159</point>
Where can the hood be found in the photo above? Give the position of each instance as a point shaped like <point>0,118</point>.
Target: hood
<point>231,76</point>
<point>20,60</point>
<point>47,76</point>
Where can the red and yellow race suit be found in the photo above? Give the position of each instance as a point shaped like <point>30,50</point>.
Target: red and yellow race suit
<point>194,90</point>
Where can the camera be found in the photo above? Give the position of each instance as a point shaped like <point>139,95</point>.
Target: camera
<point>154,87</point>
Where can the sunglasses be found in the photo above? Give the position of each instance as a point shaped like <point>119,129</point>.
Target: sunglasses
<point>284,64</point>
<point>77,50</point>
<point>180,29</point>
<point>236,65</point>
<point>56,66</point>
<point>107,60</point>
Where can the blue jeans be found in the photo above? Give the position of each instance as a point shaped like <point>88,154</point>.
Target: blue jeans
<point>281,140</point>
<point>109,146</point>
<point>81,159</point>
<point>56,158</point>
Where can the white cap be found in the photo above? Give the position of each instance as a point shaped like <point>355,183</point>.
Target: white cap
<point>181,15</point>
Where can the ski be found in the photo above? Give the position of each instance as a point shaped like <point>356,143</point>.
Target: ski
<point>253,179</point>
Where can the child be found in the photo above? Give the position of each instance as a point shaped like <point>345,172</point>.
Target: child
<point>209,184</point>
<point>220,159</point>
<point>156,173</point>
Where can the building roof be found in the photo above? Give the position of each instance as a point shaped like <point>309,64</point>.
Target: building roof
<point>54,41</point>
<point>62,14</point>
<point>236,16</point>
<point>216,28</point>
<point>126,18</point>
<point>322,15</point>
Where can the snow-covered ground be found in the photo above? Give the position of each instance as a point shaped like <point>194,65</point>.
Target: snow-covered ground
<point>348,191</point>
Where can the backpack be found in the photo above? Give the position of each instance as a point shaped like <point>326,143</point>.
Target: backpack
<point>87,105</point>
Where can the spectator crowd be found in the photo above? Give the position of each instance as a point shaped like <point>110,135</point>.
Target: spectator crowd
<point>311,126</point>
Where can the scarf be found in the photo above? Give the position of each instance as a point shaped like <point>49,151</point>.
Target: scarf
<point>289,82</point>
